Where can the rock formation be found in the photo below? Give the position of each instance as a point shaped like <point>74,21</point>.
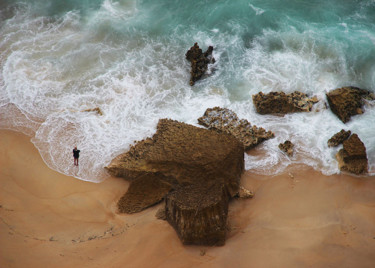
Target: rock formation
<point>225,120</point>
<point>195,170</point>
<point>338,138</point>
<point>199,62</point>
<point>347,101</point>
<point>287,147</point>
<point>352,158</point>
<point>281,103</point>
<point>199,214</point>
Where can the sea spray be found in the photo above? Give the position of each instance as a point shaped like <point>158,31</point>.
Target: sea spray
<point>59,59</point>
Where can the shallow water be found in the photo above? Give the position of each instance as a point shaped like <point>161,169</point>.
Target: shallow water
<point>127,58</point>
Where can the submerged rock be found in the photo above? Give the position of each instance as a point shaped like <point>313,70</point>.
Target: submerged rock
<point>287,147</point>
<point>281,103</point>
<point>347,101</point>
<point>338,138</point>
<point>199,62</point>
<point>193,169</point>
<point>353,157</point>
<point>225,120</point>
<point>97,110</point>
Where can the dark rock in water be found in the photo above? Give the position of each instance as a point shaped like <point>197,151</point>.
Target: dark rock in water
<point>353,157</point>
<point>225,120</point>
<point>97,110</point>
<point>347,101</point>
<point>178,159</point>
<point>199,62</point>
<point>338,138</point>
<point>287,147</point>
<point>281,103</point>
<point>199,214</point>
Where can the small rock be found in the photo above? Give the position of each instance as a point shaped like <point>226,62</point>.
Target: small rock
<point>96,110</point>
<point>287,147</point>
<point>339,138</point>
<point>244,193</point>
<point>353,158</point>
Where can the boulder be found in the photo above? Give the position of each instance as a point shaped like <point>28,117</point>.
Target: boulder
<point>338,138</point>
<point>199,62</point>
<point>287,147</point>
<point>281,103</point>
<point>347,101</point>
<point>199,214</point>
<point>225,120</point>
<point>179,159</point>
<point>353,158</point>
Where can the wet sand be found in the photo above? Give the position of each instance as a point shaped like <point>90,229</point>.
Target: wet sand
<point>297,219</point>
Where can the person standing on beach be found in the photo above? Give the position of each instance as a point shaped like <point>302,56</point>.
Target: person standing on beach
<point>76,155</point>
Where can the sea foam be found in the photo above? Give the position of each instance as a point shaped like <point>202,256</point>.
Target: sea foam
<point>114,58</point>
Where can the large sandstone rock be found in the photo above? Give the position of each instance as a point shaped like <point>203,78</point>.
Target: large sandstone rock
<point>225,120</point>
<point>353,157</point>
<point>338,138</point>
<point>347,101</point>
<point>199,214</point>
<point>199,62</point>
<point>179,159</point>
<point>281,103</point>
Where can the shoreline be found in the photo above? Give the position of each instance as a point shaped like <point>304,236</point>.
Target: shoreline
<point>299,218</point>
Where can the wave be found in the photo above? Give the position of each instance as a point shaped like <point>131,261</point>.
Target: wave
<point>127,58</point>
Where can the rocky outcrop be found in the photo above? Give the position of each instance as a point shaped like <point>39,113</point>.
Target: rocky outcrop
<point>193,169</point>
<point>348,101</point>
<point>199,62</point>
<point>287,147</point>
<point>225,120</point>
<point>281,103</point>
<point>338,138</point>
<point>353,158</point>
<point>199,214</point>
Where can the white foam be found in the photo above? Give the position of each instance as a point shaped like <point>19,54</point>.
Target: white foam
<point>54,70</point>
<point>258,11</point>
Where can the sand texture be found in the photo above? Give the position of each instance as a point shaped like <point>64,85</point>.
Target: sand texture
<point>300,218</point>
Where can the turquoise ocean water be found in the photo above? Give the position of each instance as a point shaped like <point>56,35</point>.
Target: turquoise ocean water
<point>58,58</point>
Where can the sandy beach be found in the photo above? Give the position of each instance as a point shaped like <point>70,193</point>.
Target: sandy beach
<point>300,218</point>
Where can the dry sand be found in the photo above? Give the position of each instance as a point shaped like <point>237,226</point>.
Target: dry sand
<point>297,219</point>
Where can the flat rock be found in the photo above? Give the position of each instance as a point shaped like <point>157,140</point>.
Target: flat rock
<point>225,120</point>
<point>281,103</point>
<point>353,158</point>
<point>338,138</point>
<point>347,101</point>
